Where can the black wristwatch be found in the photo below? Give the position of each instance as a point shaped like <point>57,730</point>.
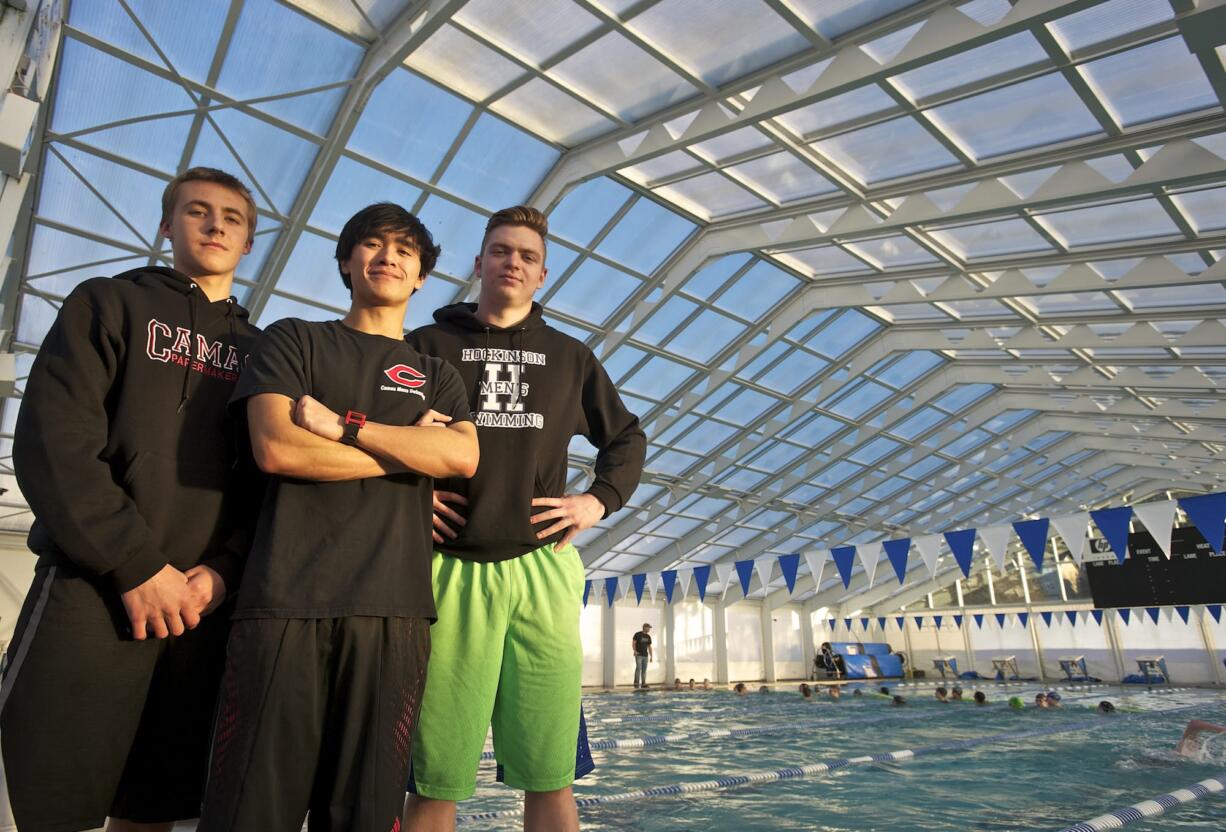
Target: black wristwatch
<point>354,422</point>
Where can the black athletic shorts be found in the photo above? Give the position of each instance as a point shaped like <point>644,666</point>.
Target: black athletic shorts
<point>96,724</point>
<point>318,716</point>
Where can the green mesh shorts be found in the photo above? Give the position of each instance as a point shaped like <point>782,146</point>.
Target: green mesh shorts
<point>505,651</point>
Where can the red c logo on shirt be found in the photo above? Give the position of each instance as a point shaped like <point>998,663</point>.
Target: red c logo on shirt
<point>405,376</point>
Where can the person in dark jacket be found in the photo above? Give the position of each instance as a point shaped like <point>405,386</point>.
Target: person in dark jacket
<point>142,491</point>
<point>507,580</point>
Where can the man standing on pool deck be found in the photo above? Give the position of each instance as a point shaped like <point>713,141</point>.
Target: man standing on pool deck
<point>507,581</point>
<point>136,479</point>
<point>640,643</point>
<point>326,662</point>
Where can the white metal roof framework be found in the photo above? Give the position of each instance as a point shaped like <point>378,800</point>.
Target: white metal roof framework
<point>863,267</point>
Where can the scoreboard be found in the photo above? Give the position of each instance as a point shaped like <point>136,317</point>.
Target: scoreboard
<point>1195,574</point>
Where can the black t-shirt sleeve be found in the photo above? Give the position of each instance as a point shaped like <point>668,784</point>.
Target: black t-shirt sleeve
<point>450,395</point>
<point>277,364</point>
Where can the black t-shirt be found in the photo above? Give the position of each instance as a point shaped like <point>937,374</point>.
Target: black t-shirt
<point>641,642</point>
<point>335,549</point>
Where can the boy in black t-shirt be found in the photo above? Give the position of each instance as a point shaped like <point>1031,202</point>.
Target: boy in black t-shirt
<point>327,660</point>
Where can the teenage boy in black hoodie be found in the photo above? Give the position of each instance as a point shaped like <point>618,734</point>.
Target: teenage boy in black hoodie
<point>134,474</point>
<point>507,581</point>
<point>331,634</point>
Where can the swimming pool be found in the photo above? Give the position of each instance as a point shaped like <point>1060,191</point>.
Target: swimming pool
<point>1074,764</point>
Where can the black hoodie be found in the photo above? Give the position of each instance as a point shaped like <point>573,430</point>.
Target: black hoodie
<point>532,388</point>
<point>123,447</point>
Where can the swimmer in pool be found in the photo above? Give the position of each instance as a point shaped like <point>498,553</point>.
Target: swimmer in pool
<point>806,691</point>
<point>941,694</point>
<point>1190,743</point>
<point>981,698</point>
<point>706,684</point>
<point>955,695</point>
<point>899,701</point>
<point>764,689</point>
<point>691,685</point>
<point>835,692</point>
<point>1040,700</point>
<point>740,689</point>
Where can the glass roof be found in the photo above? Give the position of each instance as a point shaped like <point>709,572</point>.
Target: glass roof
<point>856,280</point>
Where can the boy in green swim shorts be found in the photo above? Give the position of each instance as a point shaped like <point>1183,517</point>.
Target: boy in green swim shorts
<point>507,581</point>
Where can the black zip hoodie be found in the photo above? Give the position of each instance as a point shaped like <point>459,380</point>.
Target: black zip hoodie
<point>531,388</point>
<point>123,447</point>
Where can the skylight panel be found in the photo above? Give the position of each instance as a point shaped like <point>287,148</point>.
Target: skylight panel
<point>917,423</point>
<point>965,443</point>
<point>775,456</point>
<point>925,468</point>
<point>705,437</point>
<point>783,177</point>
<point>622,77</point>
<point>823,260</point>
<point>1070,303</point>
<point>587,208</point>
<point>890,150</point>
<point>279,160</point>
<point>962,396</point>
<point>460,230</point>
<point>991,239</point>
<point>899,312</point>
<point>1198,295</point>
<point>837,473</point>
<point>752,294</point>
<point>708,280</point>
<point>593,292</point>
<point>186,33</point>
<point>438,117</point>
<point>1130,220</point>
<point>835,18</point>
<point>909,368</point>
<point>1150,82</point>
<point>745,407</point>
<point>1041,111</point>
<point>1007,420</point>
<point>537,31</point>
<point>436,292</point>
<point>352,187</point>
<point>1106,21</point>
<point>837,110</point>
<point>710,195</point>
<point>1205,210</point>
<point>461,63</point>
<point>794,370</point>
<point>93,88</point>
<point>556,115</point>
<point>840,335</point>
<point>874,450</point>
<point>645,236</point>
<point>977,308</point>
<point>671,462</point>
<point>304,54</point>
<point>813,431</point>
<point>658,377</point>
<point>674,163</point>
<point>498,165</point>
<point>710,38</point>
<point>310,272</point>
<point>980,63</point>
<point>725,146</point>
<point>892,252</point>
<point>667,317</point>
<point>705,336</point>
<point>134,196</point>
<point>862,399</point>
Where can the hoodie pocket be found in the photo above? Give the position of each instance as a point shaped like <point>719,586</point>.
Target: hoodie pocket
<point>181,502</point>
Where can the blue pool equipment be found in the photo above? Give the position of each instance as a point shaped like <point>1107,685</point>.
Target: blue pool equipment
<point>1151,671</point>
<point>863,660</point>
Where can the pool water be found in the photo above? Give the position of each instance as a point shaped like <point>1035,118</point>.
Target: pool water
<point>1041,783</point>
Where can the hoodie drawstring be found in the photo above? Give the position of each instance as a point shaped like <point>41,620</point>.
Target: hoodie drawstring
<point>187,366</point>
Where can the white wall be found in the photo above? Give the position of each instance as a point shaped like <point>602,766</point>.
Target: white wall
<point>789,649</point>
<point>745,642</point>
<point>693,640</point>
<point>591,632</point>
